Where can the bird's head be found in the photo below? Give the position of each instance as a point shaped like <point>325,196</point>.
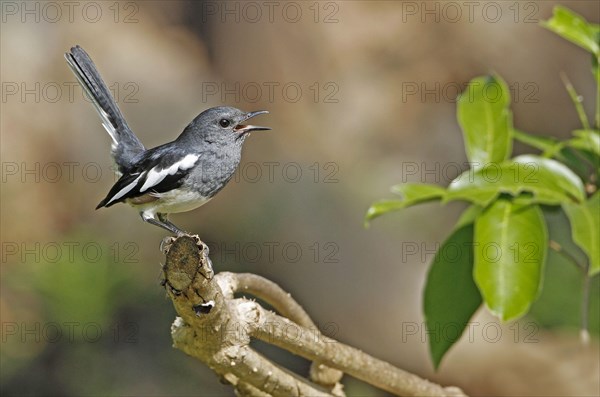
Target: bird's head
<point>224,125</point>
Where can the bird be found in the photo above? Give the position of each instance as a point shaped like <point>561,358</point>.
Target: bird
<point>175,177</point>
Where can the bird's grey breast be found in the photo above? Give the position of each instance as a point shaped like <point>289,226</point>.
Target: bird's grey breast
<point>216,166</point>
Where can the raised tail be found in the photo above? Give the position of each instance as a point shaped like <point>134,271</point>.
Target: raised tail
<point>126,146</point>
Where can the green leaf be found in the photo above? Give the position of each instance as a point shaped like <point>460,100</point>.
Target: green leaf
<point>382,207</point>
<point>548,145</point>
<point>562,289</point>
<point>510,247</point>
<point>451,296</point>
<point>468,216</point>
<point>574,28</point>
<point>563,150</point>
<point>549,182</point>
<point>486,120</point>
<point>412,193</point>
<point>586,140</point>
<point>585,228</point>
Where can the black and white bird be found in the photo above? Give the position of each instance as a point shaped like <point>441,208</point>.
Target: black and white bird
<point>175,177</point>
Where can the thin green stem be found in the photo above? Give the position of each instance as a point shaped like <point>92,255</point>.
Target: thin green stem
<point>549,146</point>
<point>577,101</point>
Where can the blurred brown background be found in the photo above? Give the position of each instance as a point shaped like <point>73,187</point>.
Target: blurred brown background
<point>361,96</point>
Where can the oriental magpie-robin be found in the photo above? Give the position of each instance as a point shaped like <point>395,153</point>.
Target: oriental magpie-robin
<point>175,177</point>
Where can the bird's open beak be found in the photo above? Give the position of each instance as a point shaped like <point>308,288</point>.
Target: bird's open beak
<point>243,128</point>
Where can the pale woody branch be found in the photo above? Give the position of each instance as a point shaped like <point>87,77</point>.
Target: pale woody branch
<point>216,328</point>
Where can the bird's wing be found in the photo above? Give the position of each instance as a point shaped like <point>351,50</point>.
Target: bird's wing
<point>159,170</point>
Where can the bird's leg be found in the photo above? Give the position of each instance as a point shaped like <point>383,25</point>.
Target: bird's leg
<point>164,218</point>
<point>160,222</point>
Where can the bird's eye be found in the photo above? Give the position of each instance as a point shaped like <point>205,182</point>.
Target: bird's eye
<point>224,123</point>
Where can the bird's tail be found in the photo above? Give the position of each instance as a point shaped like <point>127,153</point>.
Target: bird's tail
<point>126,146</point>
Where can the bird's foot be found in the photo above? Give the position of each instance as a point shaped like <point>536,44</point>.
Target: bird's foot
<point>199,243</point>
<point>166,243</point>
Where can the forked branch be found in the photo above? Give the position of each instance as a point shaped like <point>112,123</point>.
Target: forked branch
<point>216,327</point>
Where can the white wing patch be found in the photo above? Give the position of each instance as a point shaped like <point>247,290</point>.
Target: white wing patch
<point>125,190</point>
<point>156,175</point>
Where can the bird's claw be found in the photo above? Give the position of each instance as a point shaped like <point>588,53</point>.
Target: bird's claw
<point>200,243</point>
<point>166,243</point>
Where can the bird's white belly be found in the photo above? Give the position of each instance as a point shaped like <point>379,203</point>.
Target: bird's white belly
<point>172,202</point>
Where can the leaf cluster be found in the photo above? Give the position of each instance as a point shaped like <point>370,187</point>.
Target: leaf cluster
<point>496,253</point>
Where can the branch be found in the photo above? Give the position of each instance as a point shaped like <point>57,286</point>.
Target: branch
<point>266,290</point>
<point>217,328</point>
<point>281,332</point>
<point>285,305</point>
